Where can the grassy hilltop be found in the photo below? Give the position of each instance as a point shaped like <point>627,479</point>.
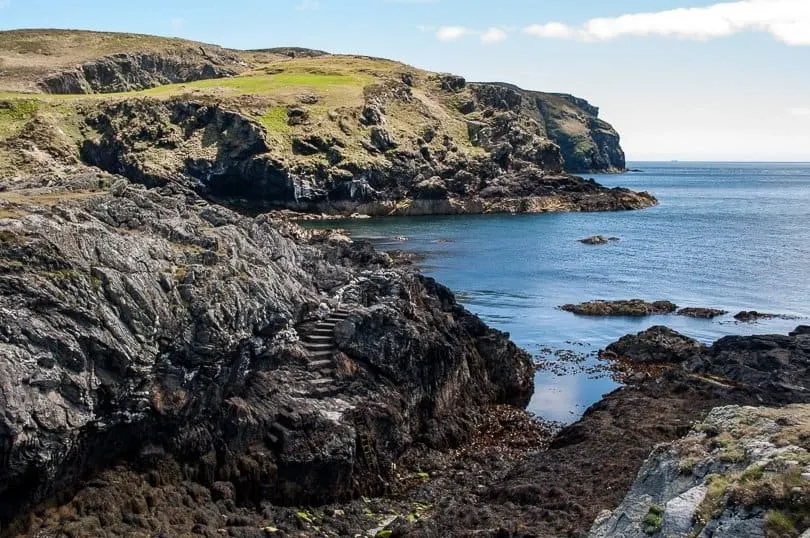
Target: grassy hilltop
<point>329,117</point>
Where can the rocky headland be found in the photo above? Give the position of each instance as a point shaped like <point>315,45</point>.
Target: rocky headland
<point>176,361</point>
<point>296,129</point>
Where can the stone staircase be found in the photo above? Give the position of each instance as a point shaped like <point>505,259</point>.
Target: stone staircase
<point>319,341</point>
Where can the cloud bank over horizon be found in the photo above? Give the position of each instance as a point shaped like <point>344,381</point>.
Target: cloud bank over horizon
<point>787,21</point>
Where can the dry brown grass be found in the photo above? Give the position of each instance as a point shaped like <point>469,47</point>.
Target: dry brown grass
<point>28,55</point>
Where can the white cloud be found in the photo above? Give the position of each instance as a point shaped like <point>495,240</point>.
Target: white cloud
<point>551,30</point>
<point>452,33</point>
<point>800,111</point>
<point>493,35</point>
<point>786,20</point>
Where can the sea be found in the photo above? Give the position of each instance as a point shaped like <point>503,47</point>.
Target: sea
<point>734,236</point>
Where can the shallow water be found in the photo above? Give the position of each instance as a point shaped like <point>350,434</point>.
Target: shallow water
<point>730,236</point>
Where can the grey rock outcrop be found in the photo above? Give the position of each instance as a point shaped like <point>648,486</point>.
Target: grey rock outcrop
<point>739,473</point>
<point>521,171</point>
<point>147,326</point>
<point>142,70</point>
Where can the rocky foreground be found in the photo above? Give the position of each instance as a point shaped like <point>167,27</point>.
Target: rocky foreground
<point>150,338</point>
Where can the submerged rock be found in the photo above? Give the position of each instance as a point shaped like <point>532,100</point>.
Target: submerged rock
<point>599,240</point>
<point>631,307</point>
<point>753,316</point>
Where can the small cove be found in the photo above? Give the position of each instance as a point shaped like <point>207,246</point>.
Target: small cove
<point>725,235</point>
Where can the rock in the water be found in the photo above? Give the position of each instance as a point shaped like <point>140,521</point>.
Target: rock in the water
<point>598,240</point>
<point>632,307</point>
<point>699,312</point>
<point>656,345</point>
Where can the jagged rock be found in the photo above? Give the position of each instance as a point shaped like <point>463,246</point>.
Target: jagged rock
<point>656,345</point>
<point>736,474</point>
<point>142,70</point>
<point>381,139</point>
<point>297,116</point>
<point>632,307</point>
<point>452,83</point>
<point>699,312</point>
<point>431,189</point>
<point>372,115</point>
<point>150,328</point>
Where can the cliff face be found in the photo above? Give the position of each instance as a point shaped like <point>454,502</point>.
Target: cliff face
<point>150,328</point>
<point>369,160</point>
<point>140,71</point>
<point>587,144</point>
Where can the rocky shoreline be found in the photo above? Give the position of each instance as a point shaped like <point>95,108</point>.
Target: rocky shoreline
<point>180,359</point>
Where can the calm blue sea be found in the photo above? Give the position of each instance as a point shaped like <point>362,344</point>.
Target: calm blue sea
<point>727,235</point>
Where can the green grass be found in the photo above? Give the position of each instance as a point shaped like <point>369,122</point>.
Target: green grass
<point>275,120</point>
<point>653,520</point>
<point>780,524</point>
<point>14,114</point>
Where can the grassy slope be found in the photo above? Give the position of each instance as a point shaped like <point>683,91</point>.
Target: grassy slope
<point>332,89</point>
<point>275,83</point>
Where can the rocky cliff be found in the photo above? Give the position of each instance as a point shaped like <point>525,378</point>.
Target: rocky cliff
<point>587,144</point>
<point>741,472</point>
<point>143,70</point>
<point>149,328</point>
<point>360,163</point>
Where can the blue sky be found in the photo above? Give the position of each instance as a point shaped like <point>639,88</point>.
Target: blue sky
<point>679,79</point>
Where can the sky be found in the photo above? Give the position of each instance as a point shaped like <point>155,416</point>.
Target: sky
<point>679,79</point>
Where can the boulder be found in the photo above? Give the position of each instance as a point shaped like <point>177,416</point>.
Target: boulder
<point>700,312</point>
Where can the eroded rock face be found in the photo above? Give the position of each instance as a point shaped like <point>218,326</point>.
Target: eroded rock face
<point>159,141</point>
<point>143,70</point>
<point>738,473</point>
<point>632,307</point>
<point>587,144</point>
<point>149,327</point>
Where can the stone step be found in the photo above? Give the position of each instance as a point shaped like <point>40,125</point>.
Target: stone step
<point>327,372</point>
<point>323,333</point>
<point>322,353</point>
<point>317,365</point>
<point>340,314</point>
<point>320,345</point>
<point>316,338</point>
<point>322,381</point>
<point>325,326</point>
